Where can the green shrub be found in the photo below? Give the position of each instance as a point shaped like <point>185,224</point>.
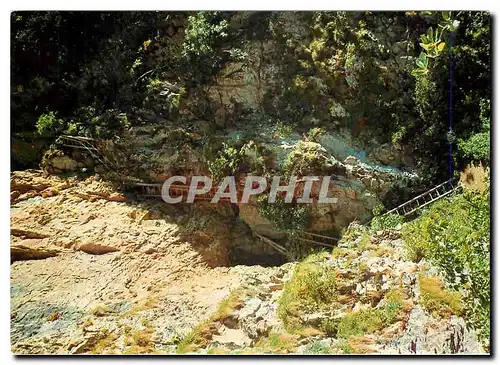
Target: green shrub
<point>205,47</point>
<point>307,157</point>
<point>389,221</point>
<point>49,125</point>
<point>283,130</point>
<point>226,162</point>
<point>361,322</point>
<point>289,217</point>
<point>454,234</point>
<point>311,288</point>
<point>477,147</point>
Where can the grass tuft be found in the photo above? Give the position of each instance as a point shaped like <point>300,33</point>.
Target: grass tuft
<point>436,299</point>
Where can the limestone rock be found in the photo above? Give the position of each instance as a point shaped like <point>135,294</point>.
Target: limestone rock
<point>232,337</point>
<point>427,335</point>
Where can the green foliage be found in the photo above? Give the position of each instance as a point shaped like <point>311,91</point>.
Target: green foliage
<point>228,159</point>
<point>380,222</point>
<point>312,69</point>
<point>433,44</point>
<point>307,157</point>
<point>361,322</point>
<point>163,98</point>
<point>49,125</point>
<point>389,221</point>
<point>371,320</point>
<point>283,130</point>
<point>226,162</point>
<point>203,44</point>
<point>311,288</point>
<point>202,33</point>
<point>289,217</point>
<point>422,63</point>
<point>477,146</point>
<point>454,234</point>
<point>88,123</point>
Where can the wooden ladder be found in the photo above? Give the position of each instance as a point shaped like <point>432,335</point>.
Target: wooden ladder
<point>317,239</point>
<point>436,193</point>
<point>85,143</point>
<point>273,244</point>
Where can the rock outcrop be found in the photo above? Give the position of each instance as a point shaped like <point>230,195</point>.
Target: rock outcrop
<point>372,279</point>
<point>94,274</point>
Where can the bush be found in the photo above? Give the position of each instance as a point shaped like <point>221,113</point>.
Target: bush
<point>203,47</point>
<point>307,157</point>
<point>477,147</point>
<point>390,221</point>
<point>311,288</point>
<point>49,125</point>
<point>288,217</point>
<point>380,222</point>
<point>226,162</point>
<point>454,234</point>
<point>283,130</point>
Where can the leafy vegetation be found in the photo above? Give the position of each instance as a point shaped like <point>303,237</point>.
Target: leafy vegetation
<point>311,287</point>
<point>477,146</point>
<point>383,75</point>
<point>454,234</point>
<point>305,158</point>
<point>389,221</point>
<point>359,323</point>
<point>289,217</point>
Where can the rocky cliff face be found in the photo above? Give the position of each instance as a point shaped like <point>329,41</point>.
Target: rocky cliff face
<point>157,151</point>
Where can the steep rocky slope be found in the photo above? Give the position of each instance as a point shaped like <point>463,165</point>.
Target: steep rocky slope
<point>95,271</point>
<point>363,298</point>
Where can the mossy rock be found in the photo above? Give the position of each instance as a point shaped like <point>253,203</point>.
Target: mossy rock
<point>307,157</point>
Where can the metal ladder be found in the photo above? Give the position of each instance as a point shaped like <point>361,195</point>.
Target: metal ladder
<point>436,193</point>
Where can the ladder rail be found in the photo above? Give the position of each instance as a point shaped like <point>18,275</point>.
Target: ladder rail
<point>273,244</point>
<point>432,201</point>
<point>316,242</point>
<point>415,199</point>
<point>318,235</point>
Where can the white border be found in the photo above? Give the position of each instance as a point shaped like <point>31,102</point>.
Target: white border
<point>8,6</point>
